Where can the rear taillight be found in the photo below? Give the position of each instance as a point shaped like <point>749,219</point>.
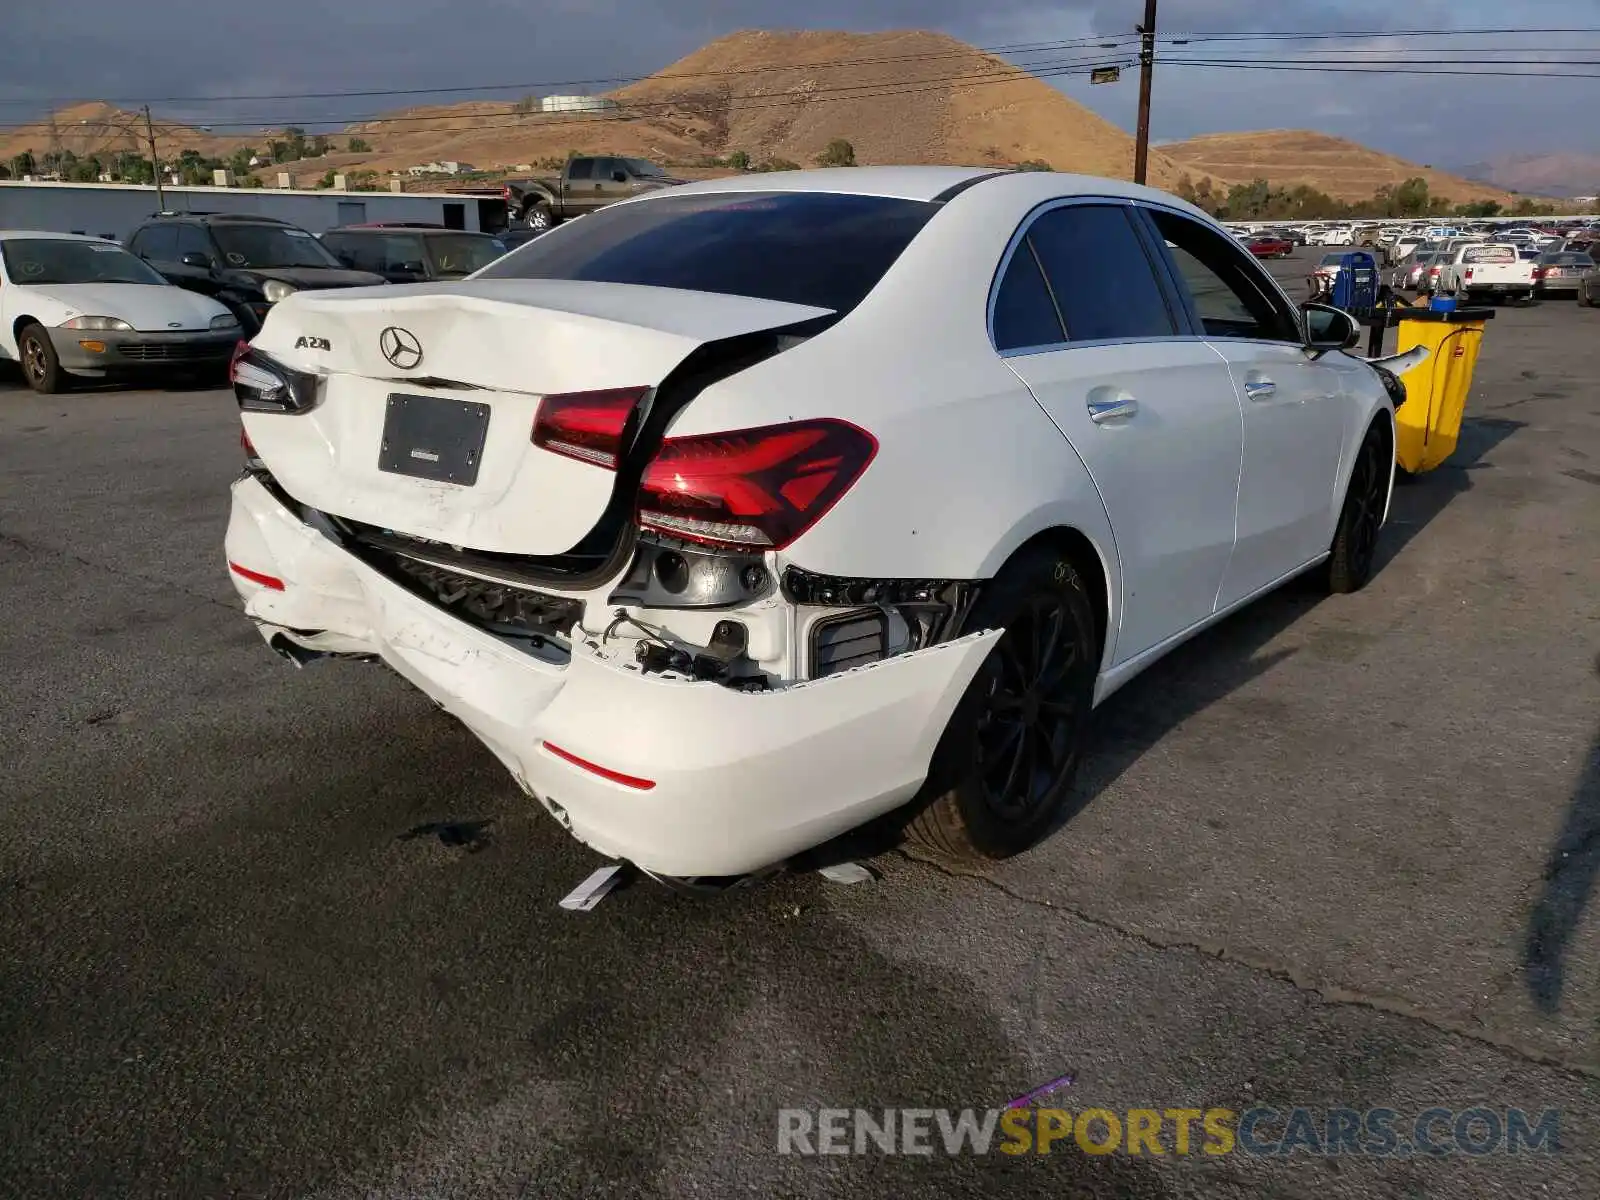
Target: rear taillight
<point>1538,272</point>
<point>592,427</point>
<point>261,384</point>
<point>1469,272</point>
<point>752,489</point>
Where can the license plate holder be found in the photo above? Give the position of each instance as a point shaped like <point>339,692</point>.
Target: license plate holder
<point>433,437</point>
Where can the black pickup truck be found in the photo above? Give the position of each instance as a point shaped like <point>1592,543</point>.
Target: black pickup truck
<point>586,184</point>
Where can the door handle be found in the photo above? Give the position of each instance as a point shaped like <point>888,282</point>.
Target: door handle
<point>1259,389</point>
<point>1110,406</point>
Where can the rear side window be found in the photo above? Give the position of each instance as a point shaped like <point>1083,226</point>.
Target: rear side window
<point>1024,313</point>
<point>157,242</point>
<point>1100,274</point>
<point>816,248</point>
<point>580,168</point>
<point>1229,292</point>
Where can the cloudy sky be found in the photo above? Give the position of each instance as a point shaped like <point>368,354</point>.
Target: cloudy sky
<point>91,49</point>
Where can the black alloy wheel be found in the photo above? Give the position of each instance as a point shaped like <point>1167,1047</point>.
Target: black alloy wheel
<point>1002,775</point>
<point>1026,732</point>
<point>1355,543</point>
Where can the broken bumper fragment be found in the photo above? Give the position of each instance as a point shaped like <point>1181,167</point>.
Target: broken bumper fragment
<point>679,776</point>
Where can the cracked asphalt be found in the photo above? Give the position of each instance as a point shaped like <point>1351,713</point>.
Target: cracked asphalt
<point>270,932</point>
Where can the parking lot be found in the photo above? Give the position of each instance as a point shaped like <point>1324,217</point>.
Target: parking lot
<point>288,932</point>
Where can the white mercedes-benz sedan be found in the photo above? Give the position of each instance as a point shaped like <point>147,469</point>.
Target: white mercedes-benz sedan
<point>740,515</point>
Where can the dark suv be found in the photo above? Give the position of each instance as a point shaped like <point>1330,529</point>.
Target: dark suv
<point>410,253</point>
<point>249,263</point>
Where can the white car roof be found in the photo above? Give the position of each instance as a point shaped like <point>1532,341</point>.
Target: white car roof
<point>920,183</point>
<point>8,234</point>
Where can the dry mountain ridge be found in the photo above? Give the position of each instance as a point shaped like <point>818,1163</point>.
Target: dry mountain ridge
<point>1343,169</point>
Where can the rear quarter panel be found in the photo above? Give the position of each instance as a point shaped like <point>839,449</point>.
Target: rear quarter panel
<point>969,467</point>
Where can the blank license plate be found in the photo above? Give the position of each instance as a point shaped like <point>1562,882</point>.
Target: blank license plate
<point>432,437</point>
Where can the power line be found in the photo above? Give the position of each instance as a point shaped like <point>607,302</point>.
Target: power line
<point>532,120</point>
<point>1019,48</point>
<point>1107,41</point>
<point>1371,69</point>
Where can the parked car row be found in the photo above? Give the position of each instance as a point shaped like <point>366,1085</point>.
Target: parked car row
<point>186,289</point>
<point>1470,269</point>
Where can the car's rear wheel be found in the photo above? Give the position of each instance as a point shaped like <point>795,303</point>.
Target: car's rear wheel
<point>40,366</point>
<point>1003,770</point>
<point>1355,541</point>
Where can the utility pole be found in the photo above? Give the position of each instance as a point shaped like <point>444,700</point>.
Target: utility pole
<point>1147,66</point>
<point>155,162</point>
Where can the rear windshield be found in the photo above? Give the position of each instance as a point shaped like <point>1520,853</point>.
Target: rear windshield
<point>814,248</point>
<point>1489,254</point>
<point>1568,260</point>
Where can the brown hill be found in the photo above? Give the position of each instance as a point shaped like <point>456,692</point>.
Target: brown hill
<point>902,97</point>
<point>1343,169</point>
<point>97,128</point>
<point>1560,174</point>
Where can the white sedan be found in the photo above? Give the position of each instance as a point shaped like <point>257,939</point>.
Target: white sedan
<point>74,306</point>
<point>734,517</point>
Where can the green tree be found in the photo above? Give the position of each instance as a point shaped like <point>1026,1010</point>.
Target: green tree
<point>253,181</point>
<point>23,164</point>
<point>278,151</point>
<point>1410,199</point>
<point>296,138</point>
<point>359,146</point>
<point>319,146</point>
<point>739,160</point>
<point>837,153</point>
<point>326,181</point>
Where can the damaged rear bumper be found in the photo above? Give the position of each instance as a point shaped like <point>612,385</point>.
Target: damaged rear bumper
<point>679,776</point>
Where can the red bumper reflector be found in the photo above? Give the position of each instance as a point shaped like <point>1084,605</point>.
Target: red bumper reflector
<point>633,781</point>
<point>268,581</point>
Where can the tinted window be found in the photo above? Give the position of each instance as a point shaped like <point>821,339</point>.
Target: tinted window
<point>193,240</point>
<point>580,168</point>
<point>271,246</point>
<point>816,248</point>
<point>605,167</point>
<point>158,242</point>
<point>1024,313</point>
<point>1099,273</point>
<point>1226,288</point>
<point>457,254</point>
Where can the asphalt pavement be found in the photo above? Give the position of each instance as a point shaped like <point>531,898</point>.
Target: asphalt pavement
<point>280,932</point>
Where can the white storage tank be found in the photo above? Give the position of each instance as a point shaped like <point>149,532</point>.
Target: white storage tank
<point>570,104</point>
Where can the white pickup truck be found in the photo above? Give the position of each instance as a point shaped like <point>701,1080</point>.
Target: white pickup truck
<point>1486,270</point>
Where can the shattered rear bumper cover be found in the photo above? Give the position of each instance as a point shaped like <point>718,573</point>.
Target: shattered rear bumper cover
<point>738,781</point>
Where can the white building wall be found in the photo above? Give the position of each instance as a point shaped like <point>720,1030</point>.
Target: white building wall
<point>116,209</point>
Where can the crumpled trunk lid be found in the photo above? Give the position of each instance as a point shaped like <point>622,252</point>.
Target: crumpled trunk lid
<point>415,380</point>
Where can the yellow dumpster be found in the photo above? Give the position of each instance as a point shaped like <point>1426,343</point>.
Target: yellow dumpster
<point>1428,424</point>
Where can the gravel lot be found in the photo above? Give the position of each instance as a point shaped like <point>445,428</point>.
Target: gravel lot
<point>270,932</point>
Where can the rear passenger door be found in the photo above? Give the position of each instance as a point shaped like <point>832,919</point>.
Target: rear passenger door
<point>1088,322</point>
<point>1295,407</point>
<point>583,188</point>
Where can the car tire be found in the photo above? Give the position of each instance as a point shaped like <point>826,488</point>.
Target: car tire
<point>1355,539</point>
<point>41,368</point>
<point>538,217</point>
<point>1583,298</point>
<point>1026,710</point>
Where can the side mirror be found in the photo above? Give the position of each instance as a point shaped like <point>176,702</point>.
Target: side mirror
<point>195,259</point>
<point>1328,328</point>
<point>619,177</point>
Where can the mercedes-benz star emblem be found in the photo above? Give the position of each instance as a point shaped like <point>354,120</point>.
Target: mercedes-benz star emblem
<point>400,346</point>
